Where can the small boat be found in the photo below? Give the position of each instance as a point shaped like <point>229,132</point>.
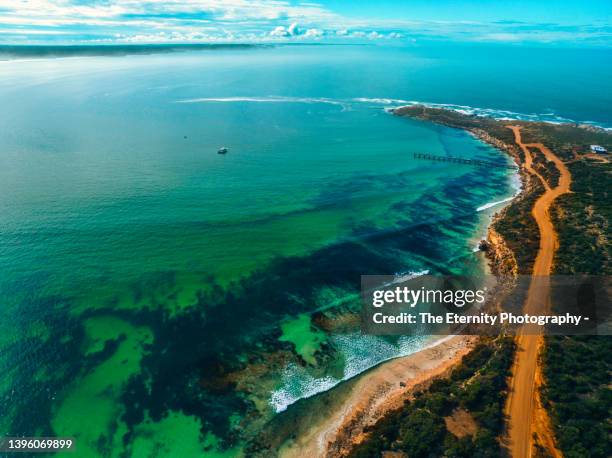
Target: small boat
<point>222,150</point>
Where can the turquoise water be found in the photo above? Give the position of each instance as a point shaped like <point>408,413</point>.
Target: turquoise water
<point>160,299</point>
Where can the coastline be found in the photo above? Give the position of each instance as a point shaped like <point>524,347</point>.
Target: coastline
<point>196,304</point>
<point>525,237</point>
<point>492,260</point>
<point>386,386</point>
<point>376,392</point>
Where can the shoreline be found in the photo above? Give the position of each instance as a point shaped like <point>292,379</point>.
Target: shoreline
<point>523,238</point>
<point>490,113</point>
<point>374,393</point>
<point>514,178</point>
<point>386,386</point>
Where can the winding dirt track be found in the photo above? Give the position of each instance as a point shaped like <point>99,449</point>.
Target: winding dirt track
<point>523,408</point>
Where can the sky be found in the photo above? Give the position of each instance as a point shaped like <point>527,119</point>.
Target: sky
<point>544,22</point>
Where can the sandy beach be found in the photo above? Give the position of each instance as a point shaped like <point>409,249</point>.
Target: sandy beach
<point>379,390</point>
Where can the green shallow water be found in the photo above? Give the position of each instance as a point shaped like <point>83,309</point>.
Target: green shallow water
<point>160,299</point>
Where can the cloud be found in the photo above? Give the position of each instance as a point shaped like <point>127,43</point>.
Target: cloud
<point>282,31</point>
<point>279,31</point>
<point>313,33</point>
<point>316,33</point>
<point>70,21</point>
<point>293,29</point>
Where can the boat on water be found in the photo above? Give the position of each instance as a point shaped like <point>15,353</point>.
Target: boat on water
<point>222,150</point>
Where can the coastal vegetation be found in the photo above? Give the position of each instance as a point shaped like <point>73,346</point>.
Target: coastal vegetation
<point>545,168</point>
<point>518,227</point>
<point>577,393</point>
<point>162,300</point>
<point>515,223</point>
<point>475,391</point>
<point>580,218</point>
<point>576,369</point>
<point>583,220</point>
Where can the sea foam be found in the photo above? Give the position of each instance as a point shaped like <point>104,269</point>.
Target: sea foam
<point>389,104</point>
<point>493,204</point>
<point>265,99</point>
<point>362,352</point>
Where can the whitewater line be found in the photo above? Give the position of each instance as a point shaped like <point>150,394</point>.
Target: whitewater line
<point>392,103</point>
<point>493,204</point>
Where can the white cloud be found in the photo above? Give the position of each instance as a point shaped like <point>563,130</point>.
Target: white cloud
<point>255,20</point>
<point>313,33</point>
<point>279,31</point>
<point>224,10</point>
<point>293,29</point>
<point>34,32</point>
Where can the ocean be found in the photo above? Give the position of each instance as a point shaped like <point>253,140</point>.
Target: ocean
<point>160,299</point>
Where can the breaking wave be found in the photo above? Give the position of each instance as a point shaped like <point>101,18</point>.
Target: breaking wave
<point>493,204</point>
<point>551,117</point>
<point>362,352</point>
<point>391,103</point>
<point>266,99</point>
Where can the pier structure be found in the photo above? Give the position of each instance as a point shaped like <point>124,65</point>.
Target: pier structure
<point>461,160</point>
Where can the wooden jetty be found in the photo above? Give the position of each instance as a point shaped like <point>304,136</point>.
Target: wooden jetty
<point>461,160</point>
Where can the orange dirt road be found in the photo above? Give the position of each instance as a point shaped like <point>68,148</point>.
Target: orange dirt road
<point>522,401</point>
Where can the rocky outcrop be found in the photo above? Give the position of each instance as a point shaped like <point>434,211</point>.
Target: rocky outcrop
<point>501,258</point>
